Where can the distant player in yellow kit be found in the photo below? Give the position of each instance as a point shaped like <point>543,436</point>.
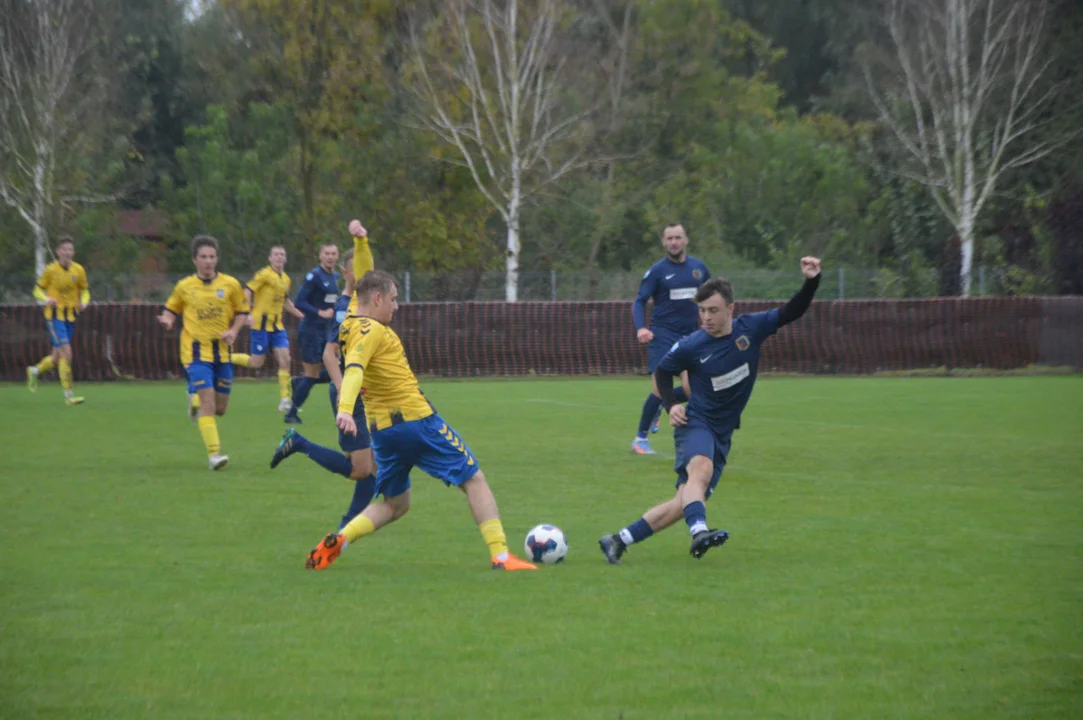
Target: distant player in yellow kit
<point>64,291</point>
<point>214,308</point>
<point>268,292</point>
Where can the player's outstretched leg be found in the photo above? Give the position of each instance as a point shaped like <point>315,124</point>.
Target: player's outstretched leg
<point>372,519</point>
<point>486,514</point>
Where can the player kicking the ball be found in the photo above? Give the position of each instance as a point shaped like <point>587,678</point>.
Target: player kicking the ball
<point>721,360</point>
<point>406,431</point>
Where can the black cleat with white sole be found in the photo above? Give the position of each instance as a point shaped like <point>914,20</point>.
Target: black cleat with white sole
<point>612,547</point>
<point>707,539</point>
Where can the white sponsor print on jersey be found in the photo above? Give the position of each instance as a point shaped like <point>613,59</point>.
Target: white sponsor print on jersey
<point>682,294</point>
<point>730,379</point>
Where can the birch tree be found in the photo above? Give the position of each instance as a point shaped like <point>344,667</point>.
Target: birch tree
<point>494,79</point>
<point>966,90</point>
<point>43,102</point>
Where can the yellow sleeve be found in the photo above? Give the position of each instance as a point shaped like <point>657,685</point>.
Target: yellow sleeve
<point>256,282</point>
<point>84,287</point>
<point>351,388</point>
<point>39,294</point>
<point>43,283</point>
<point>175,303</point>
<point>357,358</point>
<point>240,302</point>
<point>362,258</point>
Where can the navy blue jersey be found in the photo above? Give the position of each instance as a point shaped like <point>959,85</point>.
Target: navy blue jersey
<point>722,370</point>
<point>319,292</point>
<point>342,308</point>
<point>673,287</point>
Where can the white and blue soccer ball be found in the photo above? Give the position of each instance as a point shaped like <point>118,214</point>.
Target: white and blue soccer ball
<point>546,544</point>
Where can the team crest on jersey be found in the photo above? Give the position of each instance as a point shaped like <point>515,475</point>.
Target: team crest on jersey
<point>696,274</point>
<point>221,293</point>
<point>75,278</point>
<point>743,343</point>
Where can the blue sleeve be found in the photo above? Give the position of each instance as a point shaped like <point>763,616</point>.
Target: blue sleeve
<point>639,307</point>
<point>706,273</point>
<point>762,325</point>
<point>679,358</point>
<point>302,302</point>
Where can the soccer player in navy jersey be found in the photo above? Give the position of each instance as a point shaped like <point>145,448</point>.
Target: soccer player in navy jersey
<point>671,283</point>
<point>316,299</point>
<point>721,360</point>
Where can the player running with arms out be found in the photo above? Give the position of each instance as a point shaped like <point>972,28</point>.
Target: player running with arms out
<point>214,308</point>
<point>721,360</point>
<point>64,291</point>
<point>406,431</point>
<point>671,283</point>
<point>316,300</point>
<point>268,294</point>
<point>357,463</point>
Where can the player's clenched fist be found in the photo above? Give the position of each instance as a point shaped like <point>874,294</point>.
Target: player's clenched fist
<point>357,229</point>
<point>346,423</point>
<point>810,266</point>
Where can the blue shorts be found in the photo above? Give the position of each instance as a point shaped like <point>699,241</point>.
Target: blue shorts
<point>60,332</point>
<point>351,443</point>
<point>430,444</point>
<point>203,375</point>
<point>693,439</point>
<point>660,344</point>
<point>312,342</point>
<point>259,340</point>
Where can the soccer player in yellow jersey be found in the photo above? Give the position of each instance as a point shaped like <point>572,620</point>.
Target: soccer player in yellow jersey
<point>65,293</point>
<point>214,309</point>
<point>406,431</point>
<point>268,293</point>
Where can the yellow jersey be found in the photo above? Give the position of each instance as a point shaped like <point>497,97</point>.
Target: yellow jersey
<point>208,307</point>
<point>374,352</point>
<point>270,289</point>
<point>362,263</point>
<point>66,285</point>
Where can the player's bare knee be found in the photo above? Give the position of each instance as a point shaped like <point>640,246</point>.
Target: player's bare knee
<point>255,361</point>
<point>361,467</point>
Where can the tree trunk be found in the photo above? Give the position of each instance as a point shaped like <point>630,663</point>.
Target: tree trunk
<point>966,237</point>
<point>511,281</point>
<point>41,249</point>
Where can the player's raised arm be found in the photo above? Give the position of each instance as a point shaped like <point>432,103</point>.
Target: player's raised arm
<point>800,302</point>
<point>363,261</point>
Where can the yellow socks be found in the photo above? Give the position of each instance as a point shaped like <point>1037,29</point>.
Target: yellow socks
<point>240,359</point>
<point>493,532</point>
<point>283,383</point>
<point>208,428</point>
<point>46,364</point>
<point>195,400</point>
<point>358,528</point>
<point>65,375</point>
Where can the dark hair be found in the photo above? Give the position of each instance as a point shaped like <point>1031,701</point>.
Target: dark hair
<point>65,240</point>
<point>715,286</point>
<point>200,241</point>
<point>374,281</point>
<point>327,244</point>
<point>674,224</point>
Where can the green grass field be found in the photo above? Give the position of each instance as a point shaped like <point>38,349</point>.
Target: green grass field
<point>901,548</point>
